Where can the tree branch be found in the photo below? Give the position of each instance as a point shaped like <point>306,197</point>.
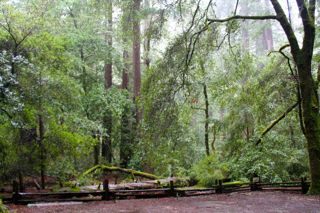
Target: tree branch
<point>236,8</point>
<point>312,8</point>
<point>276,121</point>
<point>303,12</point>
<point>194,17</point>
<point>288,60</point>
<point>308,19</point>
<point>242,18</point>
<point>198,108</point>
<point>294,74</point>
<point>281,17</point>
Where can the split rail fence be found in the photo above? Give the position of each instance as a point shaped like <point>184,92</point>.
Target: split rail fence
<point>172,191</point>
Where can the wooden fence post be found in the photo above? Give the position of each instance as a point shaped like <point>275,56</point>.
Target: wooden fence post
<point>219,187</point>
<point>304,185</point>
<point>106,191</point>
<point>254,183</point>
<point>15,191</point>
<point>172,191</point>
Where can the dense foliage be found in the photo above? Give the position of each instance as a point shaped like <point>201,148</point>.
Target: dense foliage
<point>208,91</point>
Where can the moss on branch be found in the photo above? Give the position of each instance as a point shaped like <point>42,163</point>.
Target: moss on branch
<point>104,168</point>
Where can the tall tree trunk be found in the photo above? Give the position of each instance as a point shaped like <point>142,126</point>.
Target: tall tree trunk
<point>136,57</point>
<point>96,149</point>
<point>264,42</point>
<point>125,142</point>
<point>308,87</point>
<point>125,71</point>
<point>108,39</point>
<point>41,131</point>
<point>214,136</point>
<point>311,120</point>
<point>21,160</point>
<point>206,124</point>
<point>21,182</point>
<point>267,37</point>
<point>147,36</point>
<point>107,143</point>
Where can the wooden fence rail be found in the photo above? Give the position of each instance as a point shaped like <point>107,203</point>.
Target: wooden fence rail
<point>107,194</point>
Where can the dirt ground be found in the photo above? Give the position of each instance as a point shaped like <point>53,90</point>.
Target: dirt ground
<point>243,202</point>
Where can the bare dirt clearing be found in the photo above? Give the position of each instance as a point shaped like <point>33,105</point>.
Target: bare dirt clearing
<point>234,202</point>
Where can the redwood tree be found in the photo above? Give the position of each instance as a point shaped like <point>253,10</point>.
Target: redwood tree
<point>126,140</point>
<point>107,121</point>
<point>136,56</point>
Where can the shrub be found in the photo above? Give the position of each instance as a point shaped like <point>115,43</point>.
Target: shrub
<point>208,170</point>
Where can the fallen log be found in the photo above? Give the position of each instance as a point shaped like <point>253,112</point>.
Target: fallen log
<point>133,172</point>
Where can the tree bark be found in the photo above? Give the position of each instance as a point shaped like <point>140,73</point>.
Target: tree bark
<point>107,121</point>
<point>307,85</point>
<point>267,36</point>
<point>206,126</point>
<point>125,71</point>
<point>264,42</point>
<point>42,149</point>
<point>106,139</point>
<point>214,135</point>
<point>96,149</point>
<point>125,141</point>
<point>147,36</point>
<point>108,39</point>
<point>136,57</point>
<point>308,88</point>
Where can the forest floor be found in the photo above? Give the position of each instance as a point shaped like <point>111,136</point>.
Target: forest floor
<point>263,201</point>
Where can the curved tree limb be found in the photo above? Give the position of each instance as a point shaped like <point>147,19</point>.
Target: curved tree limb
<point>281,17</point>
<point>276,121</point>
<point>294,74</point>
<point>243,18</point>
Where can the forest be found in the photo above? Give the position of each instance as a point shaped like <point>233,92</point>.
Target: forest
<point>203,90</point>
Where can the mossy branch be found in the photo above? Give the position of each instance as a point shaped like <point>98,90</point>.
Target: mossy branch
<point>243,18</point>
<point>119,169</point>
<point>276,121</point>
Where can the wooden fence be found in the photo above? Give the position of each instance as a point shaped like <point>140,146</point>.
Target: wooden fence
<point>172,191</point>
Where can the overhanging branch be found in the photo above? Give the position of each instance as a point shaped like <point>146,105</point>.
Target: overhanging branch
<point>243,18</point>
<point>276,121</point>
